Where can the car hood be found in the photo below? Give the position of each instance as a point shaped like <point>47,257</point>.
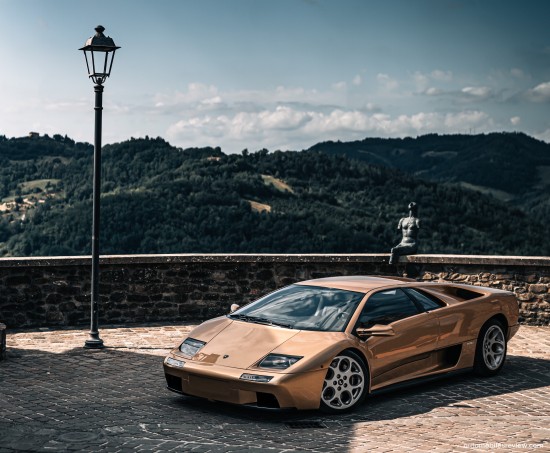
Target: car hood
<point>238,344</point>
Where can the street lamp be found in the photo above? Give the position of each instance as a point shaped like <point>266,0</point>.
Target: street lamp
<point>99,52</point>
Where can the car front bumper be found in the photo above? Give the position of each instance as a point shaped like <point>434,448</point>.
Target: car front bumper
<point>219,383</point>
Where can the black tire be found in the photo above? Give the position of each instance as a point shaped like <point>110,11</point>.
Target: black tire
<point>346,383</point>
<point>491,349</point>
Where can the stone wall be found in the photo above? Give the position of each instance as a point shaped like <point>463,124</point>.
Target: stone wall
<point>40,292</point>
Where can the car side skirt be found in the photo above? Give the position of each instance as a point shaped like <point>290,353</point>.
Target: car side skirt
<point>420,380</point>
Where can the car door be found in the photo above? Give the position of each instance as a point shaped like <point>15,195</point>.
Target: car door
<point>405,350</point>
<point>450,318</point>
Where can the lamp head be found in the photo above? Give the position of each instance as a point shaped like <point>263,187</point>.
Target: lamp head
<point>99,51</point>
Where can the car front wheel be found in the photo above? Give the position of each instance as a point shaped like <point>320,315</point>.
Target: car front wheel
<point>490,349</point>
<point>346,383</point>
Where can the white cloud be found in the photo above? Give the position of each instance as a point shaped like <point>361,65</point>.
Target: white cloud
<point>357,80</point>
<point>216,100</point>
<point>541,93</point>
<point>544,136</point>
<point>432,91</point>
<point>372,107</point>
<point>444,76</point>
<point>283,118</point>
<point>196,93</point>
<point>339,86</point>
<point>465,95</point>
<point>387,82</point>
<point>423,80</point>
<point>293,128</point>
<point>458,122</point>
<point>518,73</point>
<point>515,120</point>
<point>477,92</point>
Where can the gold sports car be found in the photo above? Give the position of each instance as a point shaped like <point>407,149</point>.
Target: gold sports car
<point>327,343</point>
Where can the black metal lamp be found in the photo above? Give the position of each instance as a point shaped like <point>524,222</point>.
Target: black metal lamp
<point>100,50</point>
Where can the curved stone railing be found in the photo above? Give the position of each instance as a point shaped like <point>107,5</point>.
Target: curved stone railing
<point>55,291</point>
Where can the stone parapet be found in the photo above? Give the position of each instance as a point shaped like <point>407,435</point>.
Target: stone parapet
<point>55,291</point>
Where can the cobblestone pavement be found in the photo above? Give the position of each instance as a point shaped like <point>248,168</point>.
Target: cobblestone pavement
<point>56,396</point>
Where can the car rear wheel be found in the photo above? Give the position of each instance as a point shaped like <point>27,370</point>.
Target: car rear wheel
<point>490,349</point>
<point>346,383</point>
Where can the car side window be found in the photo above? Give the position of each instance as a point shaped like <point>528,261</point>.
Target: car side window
<point>426,301</point>
<point>385,307</point>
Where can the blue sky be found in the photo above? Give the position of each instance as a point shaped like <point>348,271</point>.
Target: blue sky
<point>282,74</point>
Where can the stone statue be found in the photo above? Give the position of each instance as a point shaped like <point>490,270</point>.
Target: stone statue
<point>409,228</point>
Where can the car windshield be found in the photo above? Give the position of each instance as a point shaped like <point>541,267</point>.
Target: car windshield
<point>303,307</point>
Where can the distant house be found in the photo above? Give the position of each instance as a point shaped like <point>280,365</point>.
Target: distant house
<point>34,135</point>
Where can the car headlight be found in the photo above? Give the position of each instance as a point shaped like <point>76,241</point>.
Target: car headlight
<point>279,361</point>
<point>173,362</point>
<point>191,346</point>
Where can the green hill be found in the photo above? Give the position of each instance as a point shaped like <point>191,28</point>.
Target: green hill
<point>160,199</point>
<point>508,165</point>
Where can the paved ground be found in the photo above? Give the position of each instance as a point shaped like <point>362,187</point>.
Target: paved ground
<point>56,396</point>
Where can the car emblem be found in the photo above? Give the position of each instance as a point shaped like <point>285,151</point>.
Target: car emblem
<point>225,356</point>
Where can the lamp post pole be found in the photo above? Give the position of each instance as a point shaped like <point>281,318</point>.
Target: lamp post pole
<point>94,341</point>
<point>97,47</point>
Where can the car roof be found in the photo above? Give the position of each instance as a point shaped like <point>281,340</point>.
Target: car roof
<point>359,283</point>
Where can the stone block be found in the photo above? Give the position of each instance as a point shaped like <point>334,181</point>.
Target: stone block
<point>16,280</point>
<point>538,288</point>
<point>54,298</point>
<point>54,317</point>
<point>66,307</point>
<point>525,296</point>
<point>218,276</point>
<point>257,285</point>
<point>117,296</point>
<point>137,298</point>
<point>265,275</point>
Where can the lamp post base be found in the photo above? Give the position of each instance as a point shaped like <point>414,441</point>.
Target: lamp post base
<point>94,342</point>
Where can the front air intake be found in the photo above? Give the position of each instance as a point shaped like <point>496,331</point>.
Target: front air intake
<point>267,400</point>
<point>174,383</point>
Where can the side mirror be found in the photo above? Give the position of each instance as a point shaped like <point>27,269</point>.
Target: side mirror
<point>234,307</point>
<point>378,330</point>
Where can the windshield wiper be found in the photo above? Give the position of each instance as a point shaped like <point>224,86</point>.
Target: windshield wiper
<point>259,320</point>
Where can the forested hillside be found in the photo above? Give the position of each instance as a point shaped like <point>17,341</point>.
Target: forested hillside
<point>508,165</point>
<point>160,199</point>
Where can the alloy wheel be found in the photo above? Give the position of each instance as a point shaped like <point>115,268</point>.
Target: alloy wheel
<point>344,383</point>
<point>494,347</point>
